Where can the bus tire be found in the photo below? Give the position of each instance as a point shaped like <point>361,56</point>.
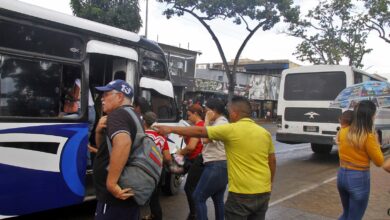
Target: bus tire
<point>172,183</point>
<point>321,148</point>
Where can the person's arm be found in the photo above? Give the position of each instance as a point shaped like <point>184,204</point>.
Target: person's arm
<point>191,131</point>
<point>207,122</point>
<point>374,150</point>
<point>272,165</point>
<point>119,156</point>
<point>189,147</point>
<point>99,132</point>
<point>167,157</point>
<point>386,165</point>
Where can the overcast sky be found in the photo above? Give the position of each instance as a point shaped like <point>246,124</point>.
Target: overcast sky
<point>188,33</point>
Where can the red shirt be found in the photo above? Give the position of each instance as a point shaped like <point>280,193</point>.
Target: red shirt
<point>161,141</point>
<point>199,145</point>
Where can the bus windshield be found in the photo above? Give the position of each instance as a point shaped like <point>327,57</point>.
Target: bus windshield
<point>321,86</point>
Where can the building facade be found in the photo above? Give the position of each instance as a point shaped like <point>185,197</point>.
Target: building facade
<point>259,81</point>
<point>181,64</point>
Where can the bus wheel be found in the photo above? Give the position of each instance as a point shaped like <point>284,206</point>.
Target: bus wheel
<point>321,148</point>
<point>172,183</point>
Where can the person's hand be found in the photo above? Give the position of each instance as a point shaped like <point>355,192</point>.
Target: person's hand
<point>209,116</point>
<point>92,149</point>
<point>120,193</point>
<point>102,124</point>
<point>162,129</point>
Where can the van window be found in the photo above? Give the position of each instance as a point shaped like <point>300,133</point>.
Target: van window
<point>314,86</point>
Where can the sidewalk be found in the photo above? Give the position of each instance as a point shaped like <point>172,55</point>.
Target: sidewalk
<point>323,202</point>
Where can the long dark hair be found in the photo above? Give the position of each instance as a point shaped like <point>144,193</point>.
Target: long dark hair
<point>362,123</point>
<point>216,105</point>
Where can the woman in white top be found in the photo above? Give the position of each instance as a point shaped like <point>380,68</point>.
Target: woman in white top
<point>214,178</point>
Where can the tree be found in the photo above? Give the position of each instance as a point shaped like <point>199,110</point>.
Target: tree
<point>378,17</point>
<point>330,33</point>
<point>265,13</point>
<point>118,13</point>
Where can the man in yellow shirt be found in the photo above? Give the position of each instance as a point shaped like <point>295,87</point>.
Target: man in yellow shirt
<point>250,158</point>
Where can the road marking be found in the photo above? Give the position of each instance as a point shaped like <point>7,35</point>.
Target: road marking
<point>292,149</point>
<point>302,191</point>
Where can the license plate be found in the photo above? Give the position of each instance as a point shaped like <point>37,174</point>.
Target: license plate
<point>310,128</point>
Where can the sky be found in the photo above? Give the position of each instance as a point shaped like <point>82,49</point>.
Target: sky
<point>188,33</point>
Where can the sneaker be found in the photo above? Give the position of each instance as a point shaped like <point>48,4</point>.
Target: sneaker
<point>148,217</point>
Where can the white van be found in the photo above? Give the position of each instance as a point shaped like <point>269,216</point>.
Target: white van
<point>305,94</point>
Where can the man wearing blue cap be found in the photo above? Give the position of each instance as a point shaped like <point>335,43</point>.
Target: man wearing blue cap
<point>114,203</point>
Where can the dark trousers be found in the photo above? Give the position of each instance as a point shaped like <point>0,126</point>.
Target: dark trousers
<point>193,177</point>
<point>246,206</point>
<point>354,190</point>
<point>154,204</point>
<point>110,212</point>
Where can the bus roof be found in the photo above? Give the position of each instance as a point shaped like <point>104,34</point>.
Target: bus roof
<point>54,16</point>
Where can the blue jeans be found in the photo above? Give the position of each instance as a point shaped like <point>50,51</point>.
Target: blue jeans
<point>212,184</point>
<point>354,190</point>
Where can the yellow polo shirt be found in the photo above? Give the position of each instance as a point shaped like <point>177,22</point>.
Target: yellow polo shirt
<point>247,148</point>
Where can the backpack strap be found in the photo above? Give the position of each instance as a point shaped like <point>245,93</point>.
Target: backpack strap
<point>138,136</point>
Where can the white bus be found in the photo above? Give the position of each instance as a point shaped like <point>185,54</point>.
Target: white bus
<point>304,115</point>
<point>43,155</point>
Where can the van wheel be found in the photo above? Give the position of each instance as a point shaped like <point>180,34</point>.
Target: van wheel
<point>321,148</point>
<point>172,183</point>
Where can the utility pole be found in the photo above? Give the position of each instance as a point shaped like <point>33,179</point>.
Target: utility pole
<point>146,19</point>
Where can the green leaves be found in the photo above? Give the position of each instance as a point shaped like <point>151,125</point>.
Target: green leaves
<point>118,13</point>
<point>331,32</point>
<point>255,14</point>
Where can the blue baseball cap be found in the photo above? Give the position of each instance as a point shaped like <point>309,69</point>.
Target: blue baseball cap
<point>118,85</point>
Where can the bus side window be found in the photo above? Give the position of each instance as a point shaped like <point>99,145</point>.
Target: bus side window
<point>29,87</point>
<point>153,68</point>
<point>162,105</point>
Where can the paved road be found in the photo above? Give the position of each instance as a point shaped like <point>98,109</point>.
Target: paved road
<point>305,188</point>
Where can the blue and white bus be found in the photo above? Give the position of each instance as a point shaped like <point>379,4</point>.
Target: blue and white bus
<point>43,155</point>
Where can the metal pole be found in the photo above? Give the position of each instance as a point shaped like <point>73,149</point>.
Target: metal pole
<point>146,19</point>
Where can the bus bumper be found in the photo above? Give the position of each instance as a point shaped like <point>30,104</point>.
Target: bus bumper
<point>289,138</point>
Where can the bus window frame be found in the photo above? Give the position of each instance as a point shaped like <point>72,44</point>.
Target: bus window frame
<point>81,117</point>
<point>48,56</point>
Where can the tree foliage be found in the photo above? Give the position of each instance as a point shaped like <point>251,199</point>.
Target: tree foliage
<point>331,32</point>
<point>265,14</point>
<point>118,13</point>
<point>378,17</point>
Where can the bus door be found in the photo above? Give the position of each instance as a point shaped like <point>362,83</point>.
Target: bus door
<point>108,62</point>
